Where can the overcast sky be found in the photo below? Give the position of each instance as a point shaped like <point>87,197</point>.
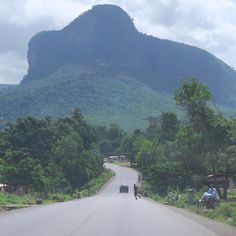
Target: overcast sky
<point>209,24</point>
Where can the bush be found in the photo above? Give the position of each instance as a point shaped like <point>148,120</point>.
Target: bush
<point>164,176</point>
<point>6,198</point>
<point>39,201</point>
<point>60,197</point>
<point>226,211</point>
<point>234,218</point>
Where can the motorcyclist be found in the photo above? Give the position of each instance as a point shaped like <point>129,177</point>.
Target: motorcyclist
<point>212,192</point>
<point>210,197</point>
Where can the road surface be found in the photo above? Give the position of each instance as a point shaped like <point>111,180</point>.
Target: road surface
<point>109,214</point>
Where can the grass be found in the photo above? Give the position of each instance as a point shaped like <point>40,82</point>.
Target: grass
<point>226,213</point>
<point>8,199</point>
<point>122,164</point>
<point>29,199</point>
<point>95,185</point>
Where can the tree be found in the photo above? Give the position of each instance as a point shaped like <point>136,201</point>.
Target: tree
<point>130,145</point>
<point>146,156</point>
<point>211,128</point>
<point>109,138</point>
<point>193,97</point>
<point>22,171</point>
<point>67,152</point>
<point>168,126</point>
<point>55,181</point>
<point>165,175</point>
<point>30,174</point>
<point>49,155</point>
<point>105,147</point>
<point>228,166</point>
<point>31,136</point>
<point>153,130</point>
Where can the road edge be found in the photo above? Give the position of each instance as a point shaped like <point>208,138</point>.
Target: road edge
<point>217,227</point>
<point>108,182</point>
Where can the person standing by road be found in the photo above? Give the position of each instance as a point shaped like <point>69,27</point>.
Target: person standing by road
<point>136,194</point>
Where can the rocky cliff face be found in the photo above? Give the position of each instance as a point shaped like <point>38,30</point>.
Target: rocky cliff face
<point>103,34</point>
<point>106,35</point>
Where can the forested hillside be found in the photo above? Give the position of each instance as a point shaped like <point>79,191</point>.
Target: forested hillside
<point>113,73</point>
<point>103,96</point>
<point>106,34</point>
<point>6,86</point>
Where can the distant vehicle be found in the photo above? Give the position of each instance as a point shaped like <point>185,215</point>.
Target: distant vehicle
<point>124,189</point>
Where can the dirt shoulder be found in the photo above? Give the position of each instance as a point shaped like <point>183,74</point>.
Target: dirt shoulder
<point>219,228</point>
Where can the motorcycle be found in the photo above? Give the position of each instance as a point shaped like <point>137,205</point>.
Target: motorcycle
<point>210,203</point>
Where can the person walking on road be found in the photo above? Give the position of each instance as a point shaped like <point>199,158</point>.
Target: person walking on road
<point>136,194</point>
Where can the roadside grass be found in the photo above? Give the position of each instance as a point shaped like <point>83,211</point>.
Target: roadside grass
<point>7,199</point>
<point>122,163</point>
<point>30,199</point>
<point>225,213</point>
<point>95,185</point>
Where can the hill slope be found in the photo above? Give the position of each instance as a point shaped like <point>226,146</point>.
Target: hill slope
<point>107,34</point>
<point>6,86</point>
<point>104,97</point>
<point>113,73</point>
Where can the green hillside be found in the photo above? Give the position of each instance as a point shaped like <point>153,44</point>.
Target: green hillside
<point>104,97</point>
<point>107,34</point>
<point>116,74</point>
<point>6,86</point>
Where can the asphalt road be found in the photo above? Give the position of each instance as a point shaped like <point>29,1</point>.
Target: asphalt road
<point>109,214</point>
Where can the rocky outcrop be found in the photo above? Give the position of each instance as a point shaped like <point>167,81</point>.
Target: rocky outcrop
<point>107,35</point>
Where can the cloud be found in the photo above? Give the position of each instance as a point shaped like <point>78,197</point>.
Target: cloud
<point>210,24</point>
<point>207,24</point>
<point>12,67</point>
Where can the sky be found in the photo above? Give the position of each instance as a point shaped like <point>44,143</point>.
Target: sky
<point>209,24</point>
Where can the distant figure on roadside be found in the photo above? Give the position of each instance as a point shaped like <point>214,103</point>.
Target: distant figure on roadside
<point>139,178</point>
<point>136,194</point>
<point>211,193</point>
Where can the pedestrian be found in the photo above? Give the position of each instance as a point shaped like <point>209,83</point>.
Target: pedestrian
<point>139,178</point>
<point>136,194</point>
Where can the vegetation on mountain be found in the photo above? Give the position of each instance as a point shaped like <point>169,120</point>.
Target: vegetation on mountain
<point>106,34</point>
<point>6,86</point>
<point>113,73</point>
<point>104,98</point>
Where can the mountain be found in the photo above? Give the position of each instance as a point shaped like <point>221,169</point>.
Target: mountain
<point>6,86</point>
<point>103,96</point>
<point>101,64</point>
<point>106,34</point>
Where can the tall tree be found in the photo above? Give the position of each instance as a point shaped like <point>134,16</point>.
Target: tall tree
<point>193,97</point>
<point>168,126</point>
<point>33,136</point>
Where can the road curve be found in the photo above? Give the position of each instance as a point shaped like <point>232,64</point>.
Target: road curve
<point>108,214</point>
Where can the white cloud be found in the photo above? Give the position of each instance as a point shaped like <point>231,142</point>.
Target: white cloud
<point>12,68</point>
<point>209,24</point>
